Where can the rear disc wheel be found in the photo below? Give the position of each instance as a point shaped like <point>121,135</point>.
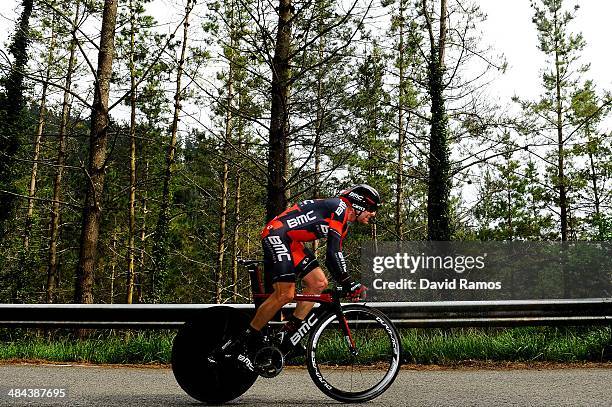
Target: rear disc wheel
<point>206,382</point>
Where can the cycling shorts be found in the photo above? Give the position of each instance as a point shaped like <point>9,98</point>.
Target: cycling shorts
<point>286,260</point>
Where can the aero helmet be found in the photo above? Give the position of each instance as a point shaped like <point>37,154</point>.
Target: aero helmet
<point>362,197</point>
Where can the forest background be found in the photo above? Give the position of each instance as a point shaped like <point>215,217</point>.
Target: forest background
<point>145,144</point>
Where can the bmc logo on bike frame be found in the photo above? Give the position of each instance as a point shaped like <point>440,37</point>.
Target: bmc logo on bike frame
<point>301,219</point>
<point>303,330</point>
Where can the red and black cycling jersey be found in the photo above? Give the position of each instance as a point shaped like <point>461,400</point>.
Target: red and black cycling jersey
<point>311,220</point>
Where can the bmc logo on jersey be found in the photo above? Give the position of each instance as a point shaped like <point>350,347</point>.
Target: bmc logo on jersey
<point>279,248</point>
<point>340,208</point>
<point>341,260</point>
<point>324,229</point>
<point>301,219</point>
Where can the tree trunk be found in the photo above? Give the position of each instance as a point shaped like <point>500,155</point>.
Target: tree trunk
<point>132,222</point>
<point>224,190</point>
<point>593,172</point>
<point>236,218</point>
<point>438,224</point>
<point>316,190</point>
<point>33,174</point>
<point>399,198</point>
<point>113,264</point>
<point>229,127</point>
<point>39,130</point>
<point>143,236</point>
<point>560,144</point>
<point>279,115</point>
<point>52,271</point>
<point>92,207</point>
<point>160,251</point>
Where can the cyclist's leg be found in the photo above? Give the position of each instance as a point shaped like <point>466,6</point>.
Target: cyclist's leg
<point>314,282</point>
<point>282,295</point>
<point>279,266</point>
<point>313,277</point>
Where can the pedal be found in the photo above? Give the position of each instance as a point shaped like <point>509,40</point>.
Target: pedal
<point>233,352</point>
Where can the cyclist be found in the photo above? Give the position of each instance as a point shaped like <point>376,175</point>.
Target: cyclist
<point>286,259</point>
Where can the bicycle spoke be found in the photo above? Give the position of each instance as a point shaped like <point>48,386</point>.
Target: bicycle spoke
<point>362,376</point>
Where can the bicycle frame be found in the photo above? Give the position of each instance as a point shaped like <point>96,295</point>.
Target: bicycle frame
<point>329,301</point>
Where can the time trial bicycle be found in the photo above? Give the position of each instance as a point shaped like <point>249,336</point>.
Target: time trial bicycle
<point>353,351</point>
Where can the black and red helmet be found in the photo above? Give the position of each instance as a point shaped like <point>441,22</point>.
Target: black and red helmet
<point>362,197</point>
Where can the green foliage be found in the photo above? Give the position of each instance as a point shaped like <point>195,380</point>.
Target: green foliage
<point>511,203</point>
<point>12,104</point>
<point>343,114</point>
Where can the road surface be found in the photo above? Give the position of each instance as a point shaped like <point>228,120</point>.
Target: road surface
<point>130,386</point>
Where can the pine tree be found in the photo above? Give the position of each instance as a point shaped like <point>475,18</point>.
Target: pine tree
<point>406,37</point>
<point>562,49</point>
<point>133,46</point>
<point>595,151</point>
<point>12,104</point>
<point>92,208</point>
<point>160,249</point>
<point>59,181</point>
<point>371,145</point>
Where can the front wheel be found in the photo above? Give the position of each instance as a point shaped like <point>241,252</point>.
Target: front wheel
<point>349,377</point>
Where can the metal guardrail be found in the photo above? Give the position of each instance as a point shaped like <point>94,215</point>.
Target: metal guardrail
<point>408,314</point>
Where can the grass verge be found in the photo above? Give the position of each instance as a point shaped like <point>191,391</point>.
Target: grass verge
<point>420,346</point>
<point>525,344</point>
<point>113,347</point>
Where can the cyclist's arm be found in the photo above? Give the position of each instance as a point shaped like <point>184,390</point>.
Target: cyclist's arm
<point>334,260</point>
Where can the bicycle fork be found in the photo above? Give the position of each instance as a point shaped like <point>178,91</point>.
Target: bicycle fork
<point>346,330</point>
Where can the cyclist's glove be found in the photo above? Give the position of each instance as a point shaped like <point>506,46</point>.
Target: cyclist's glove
<point>354,290</point>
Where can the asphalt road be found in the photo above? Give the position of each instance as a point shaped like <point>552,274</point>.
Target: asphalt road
<point>121,386</point>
